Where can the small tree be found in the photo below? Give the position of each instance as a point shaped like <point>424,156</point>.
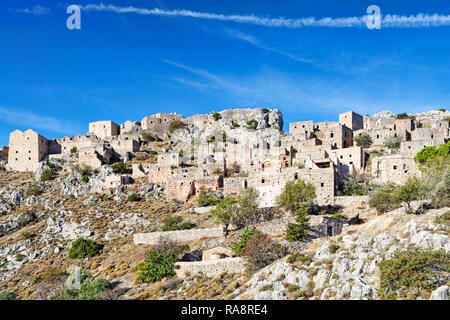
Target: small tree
<point>426,154</point>
<point>363,140</point>
<point>297,198</point>
<point>73,150</point>
<point>384,200</point>
<point>393,143</point>
<point>408,192</point>
<point>294,194</point>
<point>247,208</point>
<point>224,211</point>
<point>299,230</point>
<point>206,197</point>
<point>157,265</point>
<point>441,192</point>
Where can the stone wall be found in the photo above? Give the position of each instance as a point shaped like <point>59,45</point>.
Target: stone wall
<point>395,168</point>
<point>180,236</point>
<point>211,268</point>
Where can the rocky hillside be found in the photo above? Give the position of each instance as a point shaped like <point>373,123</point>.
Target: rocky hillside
<point>348,266</point>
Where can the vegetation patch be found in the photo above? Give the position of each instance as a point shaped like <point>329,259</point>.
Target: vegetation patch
<point>363,140</point>
<point>157,265</point>
<point>84,248</point>
<point>413,273</point>
<point>32,191</point>
<point>176,223</point>
<point>7,295</point>
<point>83,286</point>
<point>176,125</point>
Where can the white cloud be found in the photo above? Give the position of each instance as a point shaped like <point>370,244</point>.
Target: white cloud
<point>26,119</point>
<point>388,21</point>
<point>37,9</point>
<point>255,42</point>
<point>307,96</point>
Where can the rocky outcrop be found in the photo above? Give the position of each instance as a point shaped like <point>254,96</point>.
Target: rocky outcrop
<point>346,267</point>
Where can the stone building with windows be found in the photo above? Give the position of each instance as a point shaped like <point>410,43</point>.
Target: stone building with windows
<point>26,150</point>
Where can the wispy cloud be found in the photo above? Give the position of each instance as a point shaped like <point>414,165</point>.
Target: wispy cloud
<point>255,42</point>
<point>304,95</point>
<point>387,21</point>
<point>37,9</point>
<point>26,119</point>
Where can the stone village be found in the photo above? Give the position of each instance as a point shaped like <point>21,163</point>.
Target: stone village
<point>236,149</point>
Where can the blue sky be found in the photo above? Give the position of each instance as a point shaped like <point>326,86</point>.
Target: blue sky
<point>219,54</point>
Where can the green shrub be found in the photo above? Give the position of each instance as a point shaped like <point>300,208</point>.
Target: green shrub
<point>363,140</point>
<point>20,257</point>
<point>147,136</point>
<point>234,125</point>
<point>85,179</point>
<point>217,171</point>
<point>352,187</point>
<point>84,248</point>
<point>408,192</point>
<point>175,125</point>
<point>393,143</point>
<point>426,154</point>
<point>413,272</point>
<point>294,195</point>
<point>239,246</point>
<point>73,150</point>
<point>119,167</point>
<point>86,287</point>
<point>247,211</point>
<point>440,194</point>
<point>134,198</point>
<point>206,198</point>
<point>384,200</point>
<point>216,116</point>
<point>333,248</point>
<point>33,191</point>
<point>252,125</point>
<point>442,109</point>
<point>48,175</point>
<point>83,170</point>
<point>298,257</point>
<point>176,223</point>
<point>296,231</point>
<point>404,115</point>
<point>339,216</point>
<point>224,211</point>
<point>157,265</point>
<point>7,295</point>
<point>443,218</point>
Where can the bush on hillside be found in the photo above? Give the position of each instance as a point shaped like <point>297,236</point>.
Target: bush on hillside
<point>261,250</point>
<point>157,265</point>
<point>175,125</point>
<point>206,198</point>
<point>84,248</point>
<point>412,273</point>
<point>384,200</point>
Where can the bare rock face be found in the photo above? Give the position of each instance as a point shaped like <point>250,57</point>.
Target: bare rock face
<point>433,115</point>
<point>441,293</point>
<point>384,114</point>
